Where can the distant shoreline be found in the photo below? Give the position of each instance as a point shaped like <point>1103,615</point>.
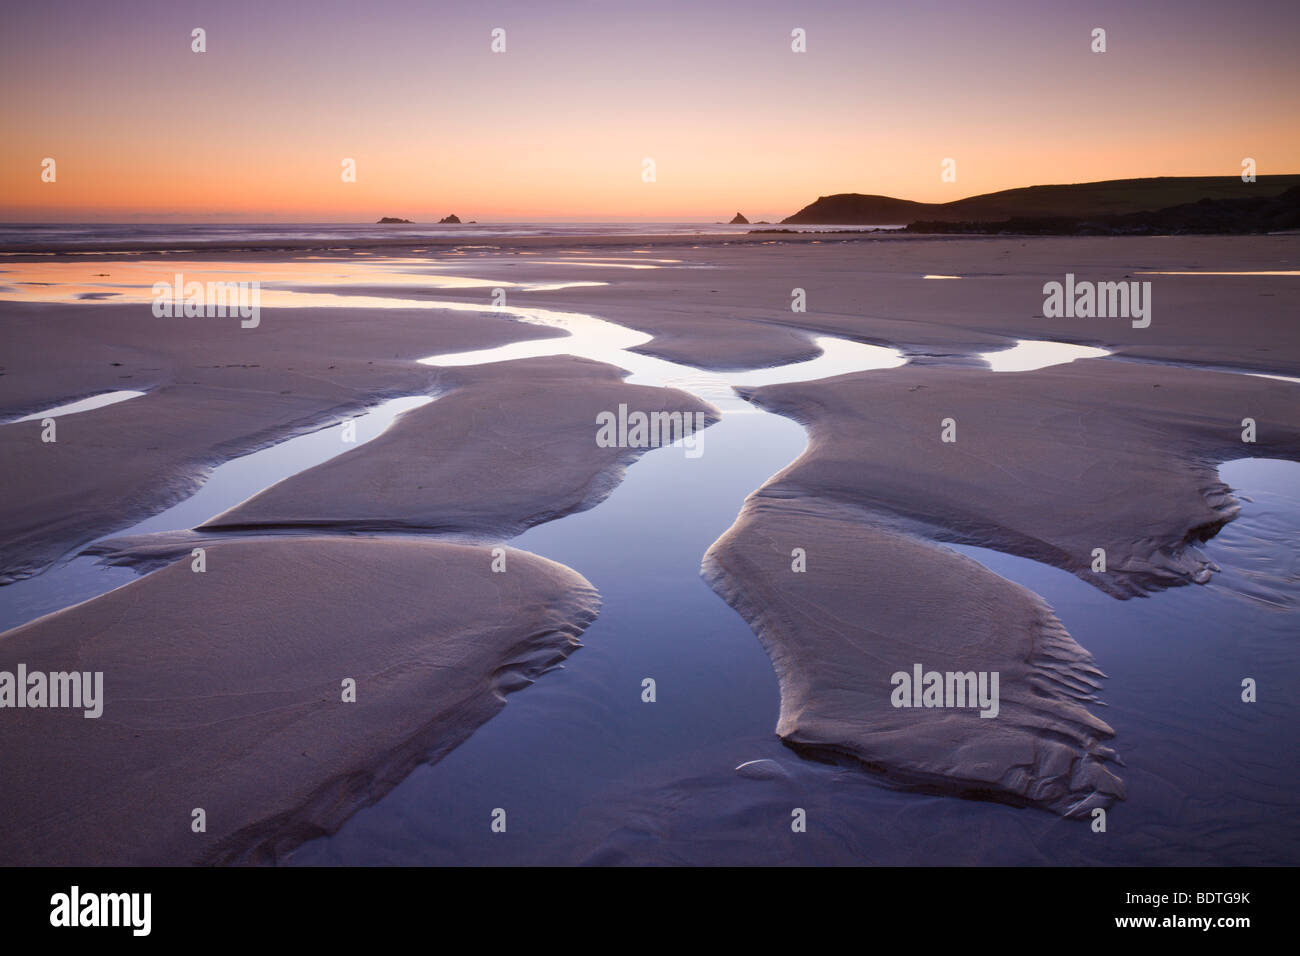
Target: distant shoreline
<point>344,244</point>
<point>20,251</point>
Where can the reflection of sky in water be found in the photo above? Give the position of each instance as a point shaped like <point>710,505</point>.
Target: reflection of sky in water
<point>555,750</point>
<point>593,264</point>
<point>1279,378</point>
<point>133,281</point>
<point>85,405</point>
<point>1028,356</point>
<point>589,772</point>
<point>602,341</point>
<point>78,579</point>
<point>1199,790</point>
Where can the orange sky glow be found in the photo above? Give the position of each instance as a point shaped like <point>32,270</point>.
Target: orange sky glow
<point>556,127</point>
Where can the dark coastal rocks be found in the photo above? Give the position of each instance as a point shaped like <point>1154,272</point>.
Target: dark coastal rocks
<point>1221,217</point>
<point>739,220</point>
<point>446,220</point>
<point>1115,197</point>
<point>393,220</point>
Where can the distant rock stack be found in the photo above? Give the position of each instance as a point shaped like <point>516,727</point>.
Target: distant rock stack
<point>453,218</point>
<point>394,220</point>
<point>740,220</point>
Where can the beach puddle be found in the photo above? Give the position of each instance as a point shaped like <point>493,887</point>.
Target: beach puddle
<point>606,264</point>
<point>1210,778</point>
<point>80,577</point>
<point>300,283</point>
<point>1029,356</point>
<point>1259,553</point>
<point>1206,772</point>
<point>553,753</point>
<point>589,771</point>
<point>83,405</point>
<point>603,341</point>
<point>555,750</point>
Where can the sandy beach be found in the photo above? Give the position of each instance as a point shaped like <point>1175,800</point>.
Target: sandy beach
<point>224,698</point>
<point>377,563</point>
<point>474,441</point>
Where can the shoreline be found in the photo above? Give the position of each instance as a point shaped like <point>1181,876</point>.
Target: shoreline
<point>38,251</point>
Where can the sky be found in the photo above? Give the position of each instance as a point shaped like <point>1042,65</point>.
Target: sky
<point>558,126</point>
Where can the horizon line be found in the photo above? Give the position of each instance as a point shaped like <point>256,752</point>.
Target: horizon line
<point>285,219</point>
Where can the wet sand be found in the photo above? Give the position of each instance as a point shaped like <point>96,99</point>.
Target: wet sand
<point>1050,464</point>
<point>224,691</point>
<point>871,604</point>
<point>508,445</point>
<point>214,392</point>
<point>1047,464</point>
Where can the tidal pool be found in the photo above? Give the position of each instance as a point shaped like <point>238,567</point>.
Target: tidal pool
<point>590,772</point>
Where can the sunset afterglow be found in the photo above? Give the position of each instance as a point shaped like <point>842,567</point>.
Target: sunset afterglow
<point>558,125</point>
